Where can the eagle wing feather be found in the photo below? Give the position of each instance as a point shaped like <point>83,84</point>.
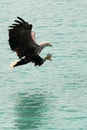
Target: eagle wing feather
<point>20,39</point>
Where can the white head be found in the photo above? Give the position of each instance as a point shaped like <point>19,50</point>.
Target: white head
<point>43,45</point>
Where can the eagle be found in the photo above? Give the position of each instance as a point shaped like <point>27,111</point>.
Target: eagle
<point>22,41</point>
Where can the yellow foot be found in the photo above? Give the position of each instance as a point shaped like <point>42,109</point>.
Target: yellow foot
<point>48,57</point>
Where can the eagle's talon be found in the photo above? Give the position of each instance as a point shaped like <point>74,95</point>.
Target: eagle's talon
<point>48,57</point>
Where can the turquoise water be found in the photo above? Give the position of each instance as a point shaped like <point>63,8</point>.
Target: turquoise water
<point>53,96</point>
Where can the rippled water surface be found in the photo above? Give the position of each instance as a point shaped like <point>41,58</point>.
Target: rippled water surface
<point>53,96</point>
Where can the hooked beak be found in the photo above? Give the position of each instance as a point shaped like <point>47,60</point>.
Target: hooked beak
<point>50,45</point>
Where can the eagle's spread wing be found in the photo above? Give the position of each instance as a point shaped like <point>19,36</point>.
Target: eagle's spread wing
<point>20,39</point>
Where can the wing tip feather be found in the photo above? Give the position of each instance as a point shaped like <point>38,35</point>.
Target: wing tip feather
<point>21,19</point>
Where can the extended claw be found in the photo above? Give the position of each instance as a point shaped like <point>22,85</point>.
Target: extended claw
<point>48,57</point>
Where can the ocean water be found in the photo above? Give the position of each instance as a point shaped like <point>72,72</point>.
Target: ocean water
<point>53,96</point>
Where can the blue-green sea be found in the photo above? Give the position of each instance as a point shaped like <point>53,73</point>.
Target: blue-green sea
<point>54,95</point>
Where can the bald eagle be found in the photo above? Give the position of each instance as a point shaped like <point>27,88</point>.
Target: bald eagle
<point>22,41</point>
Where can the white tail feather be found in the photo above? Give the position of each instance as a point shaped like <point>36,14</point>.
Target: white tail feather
<point>13,64</point>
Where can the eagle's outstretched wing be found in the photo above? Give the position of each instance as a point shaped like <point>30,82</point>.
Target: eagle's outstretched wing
<point>20,39</point>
